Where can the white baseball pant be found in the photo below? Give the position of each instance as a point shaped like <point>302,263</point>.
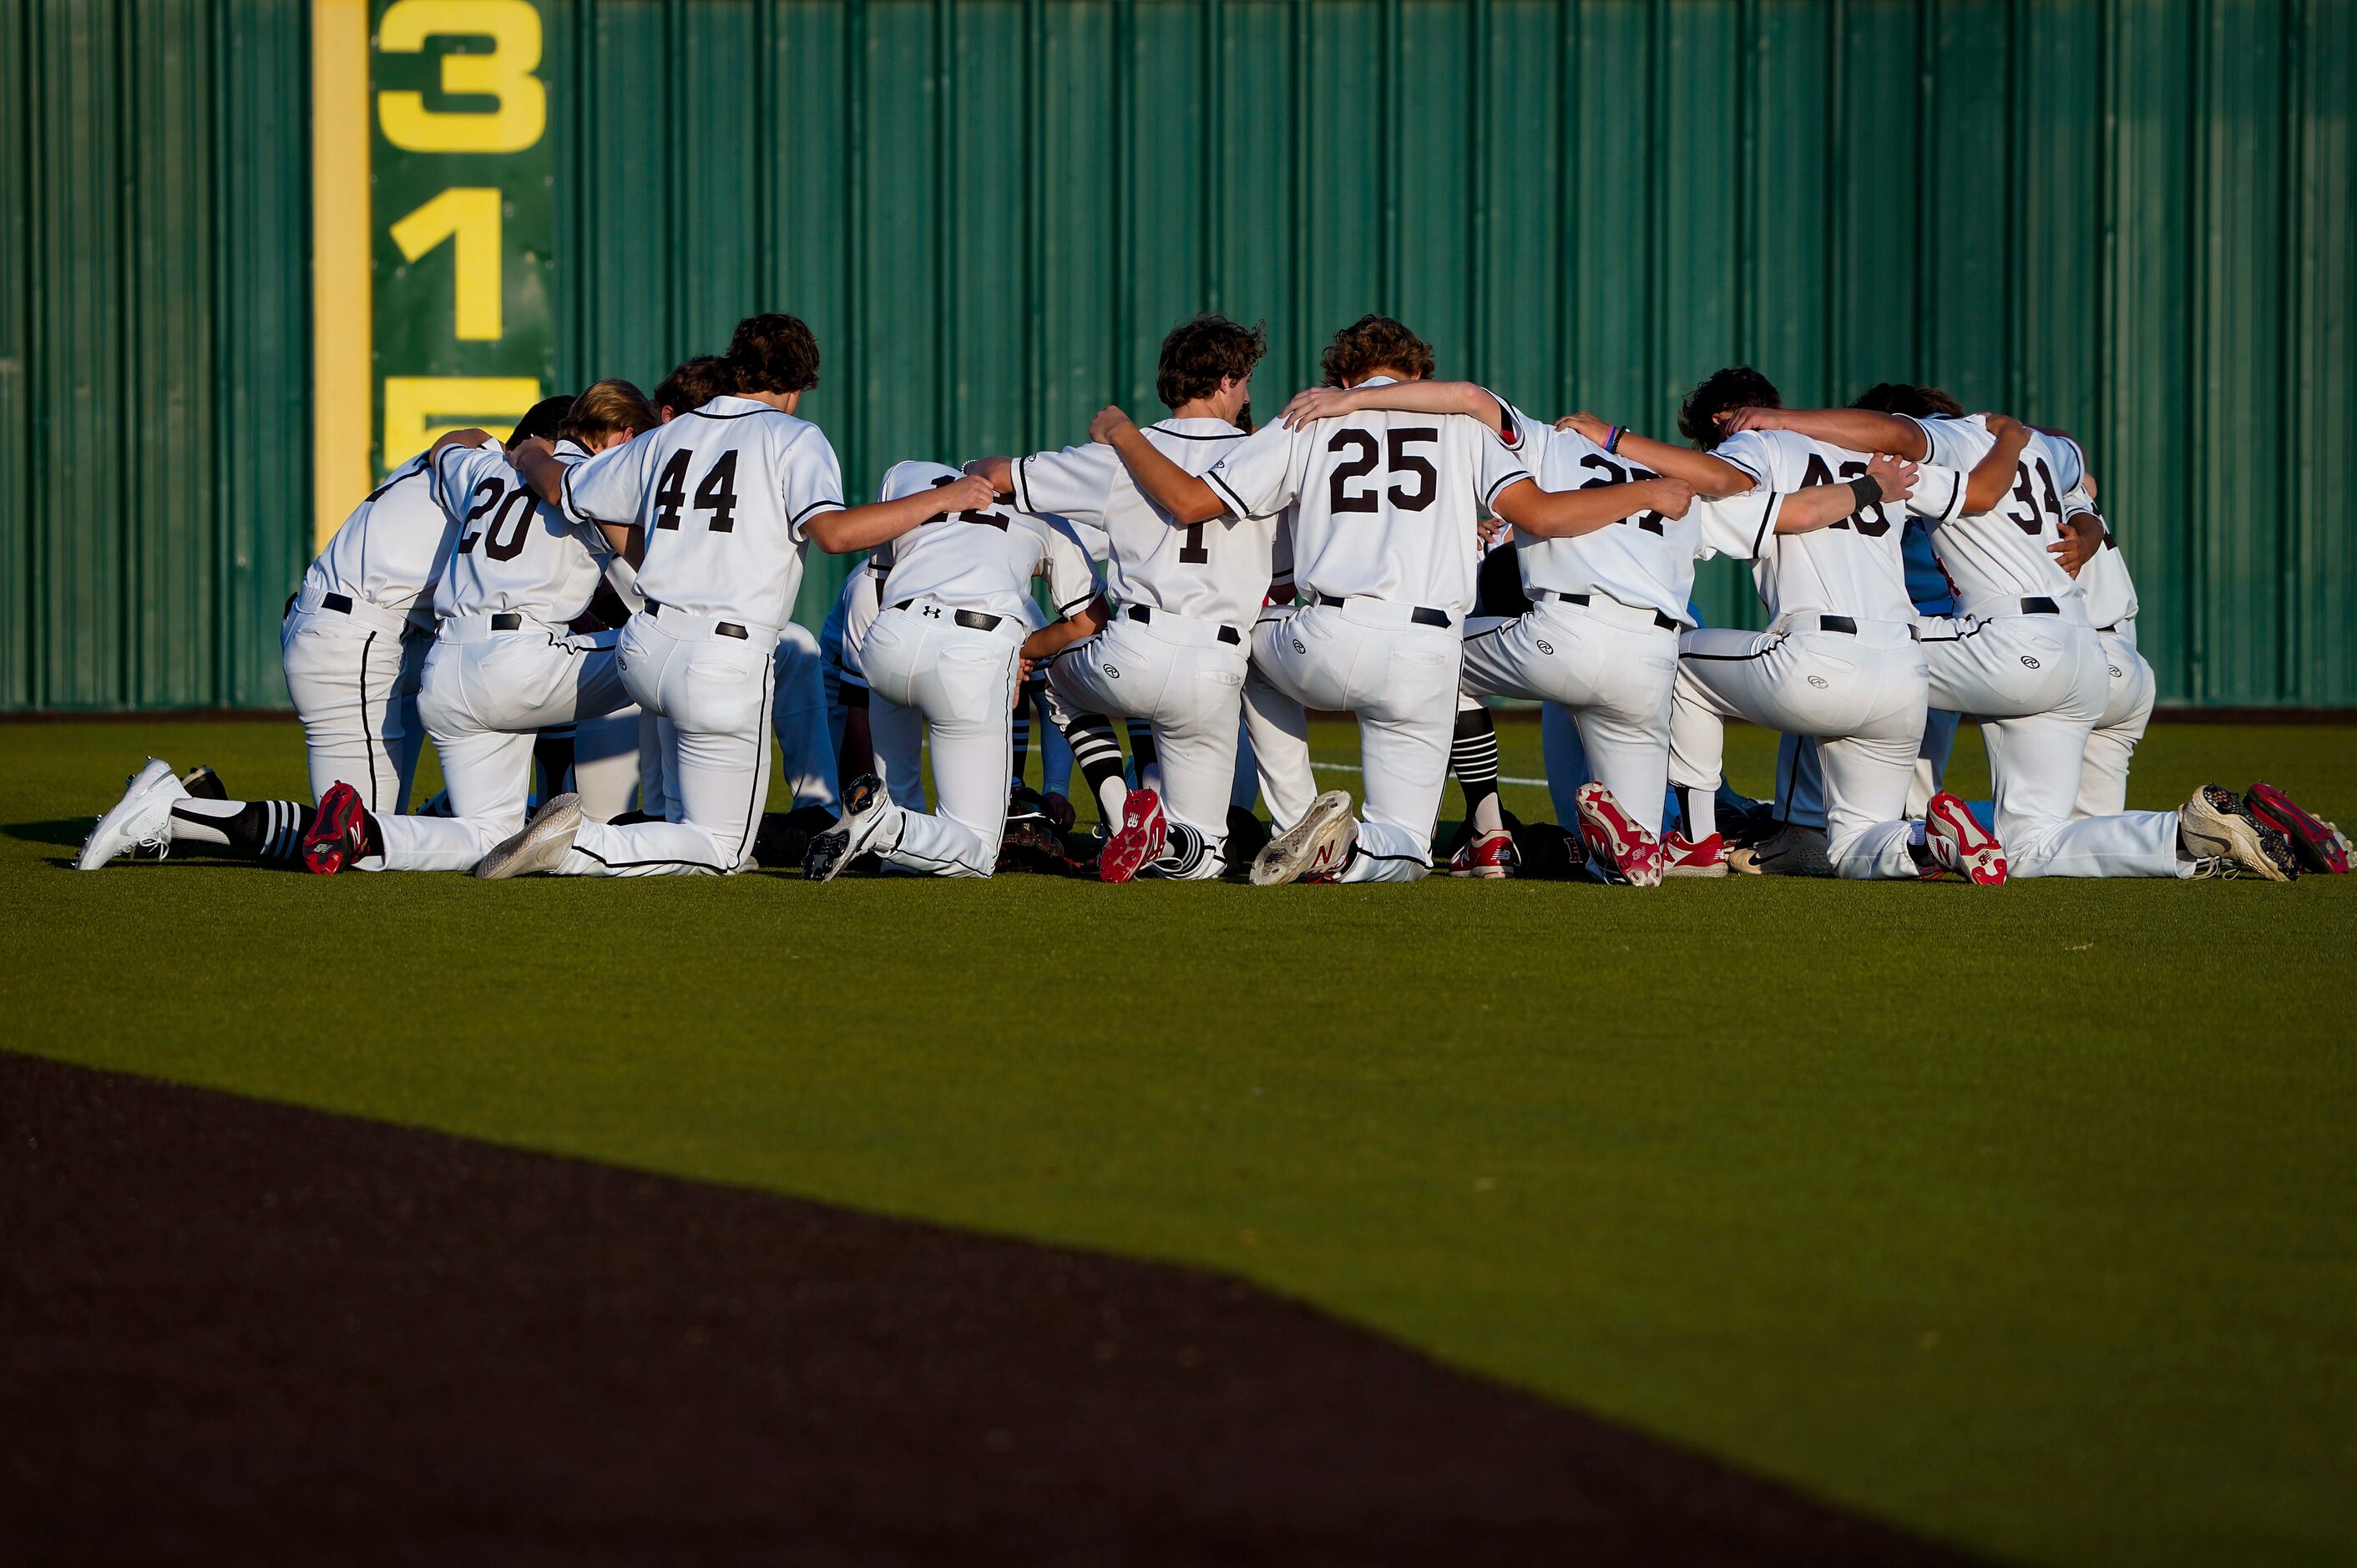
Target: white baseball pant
<point>1372,660</point>
<point>2128,709</point>
<point>798,715</point>
<point>1861,692</point>
<point>714,689</point>
<point>1277,730</point>
<point>487,695</point>
<point>609,769</point>
<point>1801,779</point>
<point>2038,685</point>
<point>1612,669</point>
<point>930,675</point>
<point>1179,675</point>
<point>353,675</point>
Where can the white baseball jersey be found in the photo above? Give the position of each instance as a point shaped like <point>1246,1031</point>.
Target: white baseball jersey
<point>2001,553</point>
<point>1384,503</point>
<point>1215,571</point>
<point>392,550</point>
<point>2111,592</point>
<point>723,494</point>
<point>1646,562</point>
<point>1857,566</point>
<point>982,560</point>
<point>515,552</point>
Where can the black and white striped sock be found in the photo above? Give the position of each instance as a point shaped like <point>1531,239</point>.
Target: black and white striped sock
<point>1098,755</point>
<point>1473,757</point>
<point>266,830</point>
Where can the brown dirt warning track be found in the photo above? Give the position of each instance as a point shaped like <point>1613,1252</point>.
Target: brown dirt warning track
<point>239,1332</point>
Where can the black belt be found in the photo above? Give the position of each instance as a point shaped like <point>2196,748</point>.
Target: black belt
<point>2041,606</point>
<point>1667,623</point>
<point>725,628</point>
<point>507,621</point>
<point>972,620</point>
<point>340,603</point>
<point>1142,614</point>
<point>1847,626</point>
<point>1420,615</point>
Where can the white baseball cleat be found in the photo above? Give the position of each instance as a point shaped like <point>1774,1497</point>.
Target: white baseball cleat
<point>2216,824</point>
<point>1314,849</point>
<point>1959,843</point>
<point>141,818</point>
<point>541,845</point>
<point>865,812</point>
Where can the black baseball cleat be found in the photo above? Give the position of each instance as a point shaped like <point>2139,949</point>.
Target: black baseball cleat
<point>203,784</point>
<point>864,812</point>
<point>338,834</point>
<point>2315,843</point>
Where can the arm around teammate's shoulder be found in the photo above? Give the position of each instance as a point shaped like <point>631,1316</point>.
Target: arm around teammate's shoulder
<point>1566,514</point>
<point>1993,475</point>
<point>1886,478</point>
<point>1183,496</point>
<point>1466,398</point>
<point>842,529</point>
<point>1859,429</point>
<point>1713,479</point>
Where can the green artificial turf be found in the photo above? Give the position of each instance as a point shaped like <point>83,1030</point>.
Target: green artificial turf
<point>2027,1217</point>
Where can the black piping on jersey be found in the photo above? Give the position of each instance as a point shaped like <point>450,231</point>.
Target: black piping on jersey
<point>1739,658</point>
<point>1235,503</point>
<point>1741,467</point>
<point>706,413</point>
<point>1768,523</point>
<point>816,506</point>
<point>1505,624</point>
<point>565,502</point>
<point>415,467</point>
<point>368,730</point>
<point>1161,427</point>
<point>1975,630</point>
<point>1516,478</point>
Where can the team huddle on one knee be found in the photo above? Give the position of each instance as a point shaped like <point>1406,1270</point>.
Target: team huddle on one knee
<point>1391,547</point>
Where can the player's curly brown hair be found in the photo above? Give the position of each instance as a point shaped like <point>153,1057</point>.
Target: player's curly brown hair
<point>1199,354</point>
<point>1904,397</point>
<point>1723,393</point>
<point>773,353</point>
<point>607,408</point>
<point>1374,343</point>
<point>692,383</point>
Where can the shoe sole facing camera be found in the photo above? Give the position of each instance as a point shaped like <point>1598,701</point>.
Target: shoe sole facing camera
<point>1144,833</point>
<point>1613,838</point>
<point>2216,822</point>
<point>2312,839</point>
<point>144,812</point>
<point>1673,865</point>
<point>1961,844</point>
<point>1294,851</point>
<point>541,845</point>
<point>328,846</point>
<point>837,847</point>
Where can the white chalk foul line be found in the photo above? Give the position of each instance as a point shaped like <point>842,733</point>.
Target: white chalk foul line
<point>1502,779</point>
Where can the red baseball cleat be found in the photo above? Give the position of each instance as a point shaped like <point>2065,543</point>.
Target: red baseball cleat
<point>1145,833</point>
<point>1959,843</point>
<point>1487,854</point>
<point>1615,838</point>
<point>1681,858</point>
<point>338,834</point>
<point>2318,845</point>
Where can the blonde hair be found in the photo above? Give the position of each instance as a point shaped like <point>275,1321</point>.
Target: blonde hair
<point>608,408</point>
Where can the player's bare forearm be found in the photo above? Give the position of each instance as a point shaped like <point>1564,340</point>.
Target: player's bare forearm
<point>1183,496</point>
<point>629,543</point>
<point>1821,505</point>
<point>1993,475</point>
<point>1566,514</point>
<point>1859,429</point>
<point>2083,534</point>
<point>470,438</point>
<point>1403,397</point>
<point>999,471</point>
<point>859,528</point>
<point>536,463</point>
<point>1714,478</point>
<point>1049,640</point>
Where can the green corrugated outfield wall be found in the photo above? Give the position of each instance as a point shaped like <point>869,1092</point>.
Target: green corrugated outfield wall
<point>2133,218</point>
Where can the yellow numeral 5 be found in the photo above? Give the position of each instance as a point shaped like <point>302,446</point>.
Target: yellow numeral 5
<point>505,73</point>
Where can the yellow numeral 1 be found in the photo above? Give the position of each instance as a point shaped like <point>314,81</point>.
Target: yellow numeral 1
<point>471,215</point>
